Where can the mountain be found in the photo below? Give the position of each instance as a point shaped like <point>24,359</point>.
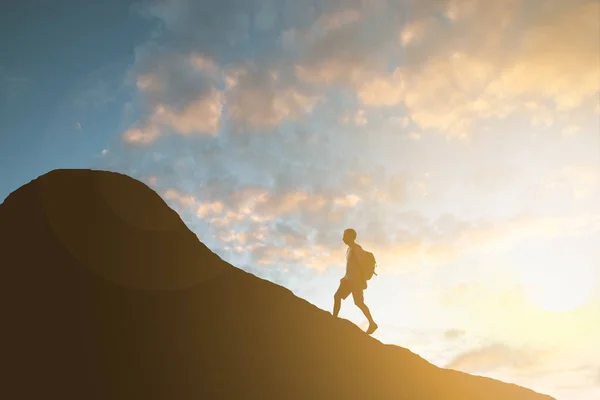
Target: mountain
<point>105,294</point>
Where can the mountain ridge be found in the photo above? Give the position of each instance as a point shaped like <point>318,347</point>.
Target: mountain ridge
<point>108,294</point>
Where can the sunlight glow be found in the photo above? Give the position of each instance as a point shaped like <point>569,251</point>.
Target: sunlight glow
<point>558,287</point>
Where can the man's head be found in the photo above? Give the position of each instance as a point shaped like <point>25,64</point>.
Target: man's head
<point>349,236</point>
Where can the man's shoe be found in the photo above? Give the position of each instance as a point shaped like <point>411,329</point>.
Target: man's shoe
<point>372,328</point>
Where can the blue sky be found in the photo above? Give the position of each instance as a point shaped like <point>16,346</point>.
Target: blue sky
<point>460,138</point>
<point>56,72</point>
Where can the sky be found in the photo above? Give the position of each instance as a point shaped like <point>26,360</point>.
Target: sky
<point>460,138</point>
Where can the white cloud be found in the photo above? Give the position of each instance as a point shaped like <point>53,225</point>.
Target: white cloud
<point>201,115</point>
<point>152,180</point>
<point>357,118</point>
<point>181,199</point>
<point>211,208</point>
<point>141,135</point>
<point>492,357</point>
<point>205,64</point>
<point>580,180</point>
<point>149,83</point>
<point>261,99</point>
<point>413,31</point>
<point>382,91</point>
<point>447,85</point>
<point>469,74</point>
<point>415,136</point>
<point>452,334</point>
<point>571,130</point>
<point>337,19</point>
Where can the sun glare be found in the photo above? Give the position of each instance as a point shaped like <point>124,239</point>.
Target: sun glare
<point>559,287</point>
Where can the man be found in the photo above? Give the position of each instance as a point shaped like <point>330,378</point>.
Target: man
<point>353,282</point>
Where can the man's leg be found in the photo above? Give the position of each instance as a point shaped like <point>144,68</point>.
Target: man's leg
<point>337,304</point>
<point>342,292</point>
<point>359,300</point>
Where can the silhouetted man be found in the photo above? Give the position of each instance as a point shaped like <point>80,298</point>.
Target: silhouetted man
<point>353,282</point>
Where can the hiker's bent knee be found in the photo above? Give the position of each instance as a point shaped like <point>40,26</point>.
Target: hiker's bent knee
<point>359,303</point>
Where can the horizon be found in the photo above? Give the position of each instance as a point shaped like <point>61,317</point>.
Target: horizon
<point>460,139</point>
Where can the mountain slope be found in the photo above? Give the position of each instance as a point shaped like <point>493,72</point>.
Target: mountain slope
<point>105,294</point>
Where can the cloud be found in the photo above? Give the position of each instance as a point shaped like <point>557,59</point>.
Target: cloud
<point>325,82</point>
<point>472,73</point>
<point>382,91</point>
<point>580,180</point>
<point>558,61</point>
<point>189,93</point>
<point>555,61</point>
<point>441,242</point>
<point>179,95</point>
<point>262,99</point>
<point>287,217</point>
<point>152,180</point>
<point>505,233</point>
<point>485,67</point>
<point>489,358</point>
<point>413,31</point>
<point>357,118</point>
<point>338,19</point>
<point>141,135</point>
<point>571,130</point>
<point>149,83</point>
<point>453,334</point>
<point>415,136</point>
<point>210,25</point>
<point>180,199</point>
<point>271,226</point>
<point>199,116</point>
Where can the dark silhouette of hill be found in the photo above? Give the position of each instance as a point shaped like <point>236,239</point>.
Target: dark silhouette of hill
<point>105,294</point>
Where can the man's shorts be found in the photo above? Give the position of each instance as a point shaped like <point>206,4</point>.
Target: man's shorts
<point>347,286</point>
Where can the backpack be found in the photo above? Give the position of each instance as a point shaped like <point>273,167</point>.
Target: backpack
<point>368,264</point>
